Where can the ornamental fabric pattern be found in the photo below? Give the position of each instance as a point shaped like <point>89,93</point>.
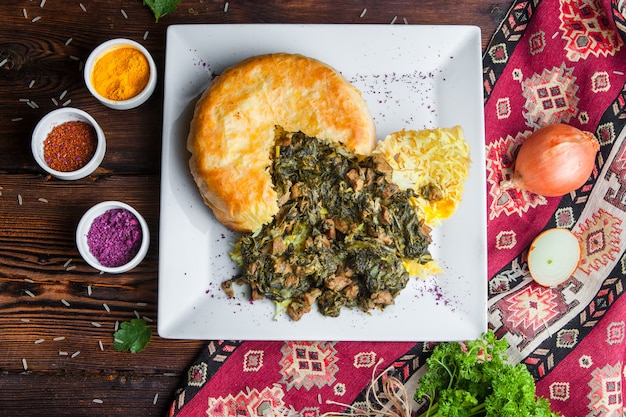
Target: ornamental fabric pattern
<point>550,61</point>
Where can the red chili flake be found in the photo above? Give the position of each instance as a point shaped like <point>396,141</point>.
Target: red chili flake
<point>70,145</point>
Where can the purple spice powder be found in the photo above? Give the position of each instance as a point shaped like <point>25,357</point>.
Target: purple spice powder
<point>114,237</point>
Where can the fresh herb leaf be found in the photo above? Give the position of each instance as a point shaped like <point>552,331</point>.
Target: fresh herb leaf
<point>133,335</point>
<point>161,7</point>
<point>474,378</point>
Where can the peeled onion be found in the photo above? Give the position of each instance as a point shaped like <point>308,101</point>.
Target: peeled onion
<point>553,256</point>
<point>554,160</point>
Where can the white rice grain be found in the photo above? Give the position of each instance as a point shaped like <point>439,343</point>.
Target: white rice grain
<point>30,85</point>
<point>4,61</point>
<point>117,325</point>
<point>67,42</point>
<point>63,353</point>
<point>136,314</point>
<point>69,261</point>
<point>155,399</point>
<point>70,268</point>
<point>96,324</point>
<point>145,35</point>
<point>406,22</point>
<point>614,72</point>
<point>141,304</point>
<point>75,354</point>
<point>25,364</point>
<point>74,58</point>
<point>57,339</point>
<point>35,19</point>
<point>106,307</point>
<point>43,3</point>
<point>97,401</point>
<point>67,102</point>
<point>124,14</point>
<point>25,320</point>
<point>65,302</point>
<point>30,281</point>
<point>43,200</point>
<point>16,119</point>
<point>23,100</point>
<point>19,199</point>
<point>63,95</point>
<point>100,345</point>
<point>394,20</point>
<point>118,341</point>
<point>25,13</point>
<point>363,12</point>
<point>148,319</point>
<point>225,7</point>
<point>39,341</point>
<point>82,7</point>
<point>30,294</point>
<point>54,101</point>
<point>89,290</point>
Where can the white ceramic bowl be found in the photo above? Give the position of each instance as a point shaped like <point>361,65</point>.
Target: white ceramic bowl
<point>85,224</point>
<point>58,117</point>
<point>135,101</point>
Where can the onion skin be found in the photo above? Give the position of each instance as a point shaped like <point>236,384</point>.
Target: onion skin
<point>554,160</point>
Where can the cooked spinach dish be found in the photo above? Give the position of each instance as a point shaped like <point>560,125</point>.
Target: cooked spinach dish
<point>341,236</point>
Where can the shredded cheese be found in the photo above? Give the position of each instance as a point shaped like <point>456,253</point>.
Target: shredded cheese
<point>426,158</point>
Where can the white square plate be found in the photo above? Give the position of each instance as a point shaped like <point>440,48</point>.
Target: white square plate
<point>412,77</point>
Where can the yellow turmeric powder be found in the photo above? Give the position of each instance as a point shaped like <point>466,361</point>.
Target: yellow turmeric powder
<point>121,73</point>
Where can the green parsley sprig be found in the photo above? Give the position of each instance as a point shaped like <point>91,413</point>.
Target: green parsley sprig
<point>132,335</point>
<point>473,378</point>
<point>161,7</point>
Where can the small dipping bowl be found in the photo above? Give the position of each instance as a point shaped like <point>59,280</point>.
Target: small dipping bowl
<point>106,48</point>
<point>56,118</point>
<point>85,224</point>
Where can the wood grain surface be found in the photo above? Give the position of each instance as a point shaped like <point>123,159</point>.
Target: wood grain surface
<point>55,310</point>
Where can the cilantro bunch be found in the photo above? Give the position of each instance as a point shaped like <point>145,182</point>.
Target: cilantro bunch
<point>473,378</point>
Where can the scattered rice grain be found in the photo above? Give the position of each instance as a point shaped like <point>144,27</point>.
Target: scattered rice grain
<point>106,307</point>
<point>4,61</point>
<point>39,341</point>
<point>54,101</point>
<point>25,320</point>
<point>97,401</point>
<point>89,289</point>
<point>67,102</point>
<point>24,100</point>
<point>43,2</point>
<point>170,374</point>
<point>63,353</point>
<point>141,304</point>
<point>70,268</point>
<point>117,325</point>
<point>25,13</point>
<point>100,345</point>
<point>32,104</point>
<point>155,399</point>
<point>118,341</point>
<point>30,294</point>
<point>145,35</point>
<point>75,354</point>
<point>43,200</point>
<point>25,364</point>
<point>96,324</point>
<point>124,14</point>
<point>30,281</point>
<point>555,34</point>
<point>35,19</point>
<point>69,261</point>
<point>30,85</point>
<point>19,199</point>
<point>74,58</point>
<point>225,7</point>
<point>56,339</point>
<point>67,42</point>
<point>16,119</point>
<point>65,302</point>
<point>148,319</point>
<point>394,20</point>
<point>319,398</point>
<point>363,12</point>
<point>62,94</point>
<point>406,22</point>
<point>614,72</point>
<point>136,314</point>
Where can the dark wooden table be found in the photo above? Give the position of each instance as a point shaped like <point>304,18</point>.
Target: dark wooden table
<point>57,314</point>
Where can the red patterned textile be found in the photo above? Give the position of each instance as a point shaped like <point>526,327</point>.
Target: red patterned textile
<point>550,61</point>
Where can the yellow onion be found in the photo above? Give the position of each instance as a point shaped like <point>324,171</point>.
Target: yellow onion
<point>554,160</point>
<point>553,256</point>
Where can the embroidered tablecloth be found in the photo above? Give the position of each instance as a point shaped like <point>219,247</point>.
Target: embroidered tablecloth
<point>550,61</point>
